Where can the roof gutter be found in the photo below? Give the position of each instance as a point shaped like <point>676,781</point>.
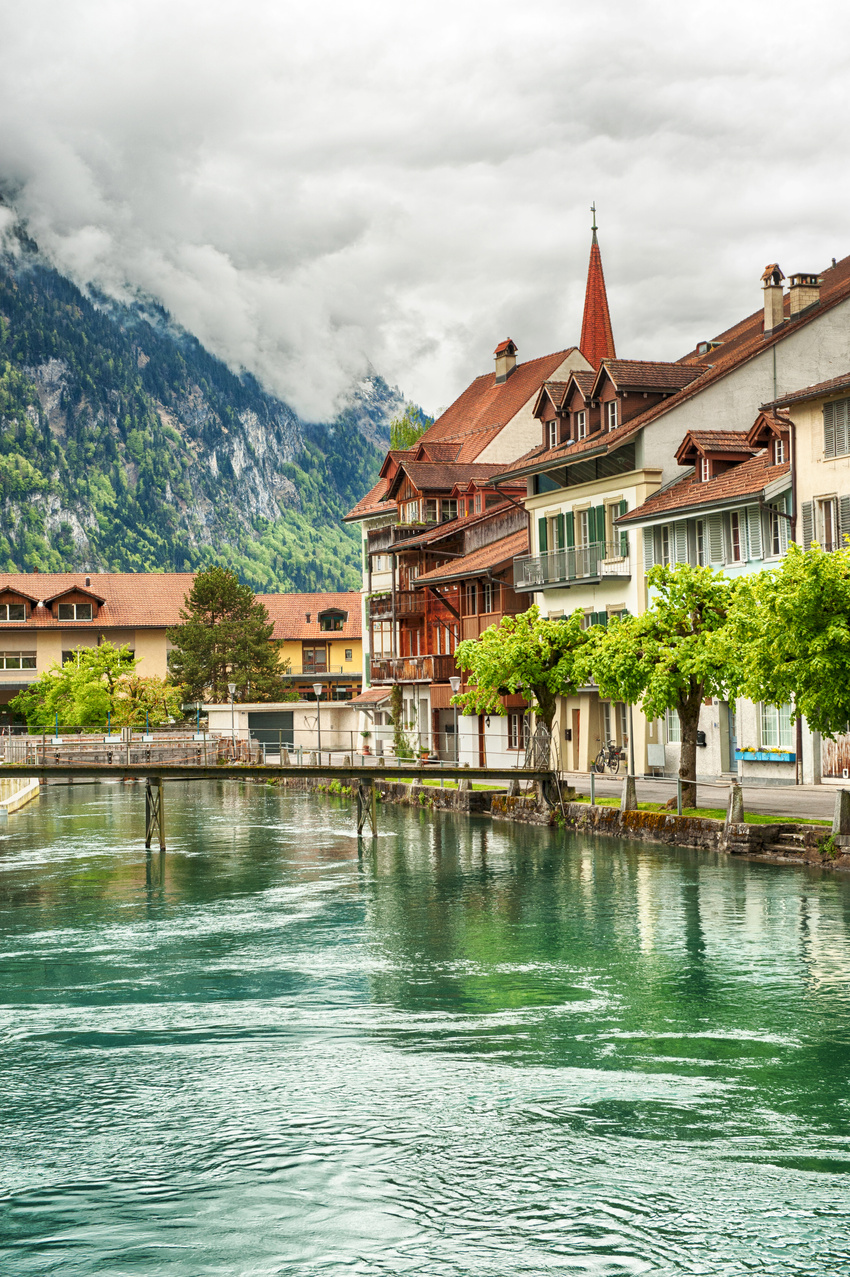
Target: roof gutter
<point>688,511</point>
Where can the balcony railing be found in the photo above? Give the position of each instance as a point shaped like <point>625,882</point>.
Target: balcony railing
<point>310,668</point>
<point>407,603</point>
<point>413,669</point>
<point>578,564</point>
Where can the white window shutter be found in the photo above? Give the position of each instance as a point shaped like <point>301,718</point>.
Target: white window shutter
<point>808,524</point>
<point>754,531</point>
<point>715,538</point>
<point>648,548</point>
<point>681,542</point>
<point>829,430</point>
<point>784,531</point>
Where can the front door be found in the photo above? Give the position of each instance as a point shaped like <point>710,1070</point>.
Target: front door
<point>732,719</point>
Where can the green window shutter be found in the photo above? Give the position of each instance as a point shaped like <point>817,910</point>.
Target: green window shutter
<point>559,532</point>
<point>829,429</point>
<point>843,520</point>
<point>624,536</point>
<point>571,530</point>
<point>648,548</point>
<point>808,524</point>
<point>600,523</point>
<point>754,531</point>
<point>542,535</point>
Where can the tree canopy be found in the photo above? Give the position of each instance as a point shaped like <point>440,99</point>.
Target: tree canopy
<point>226,637</point>
<point>793,624</point>
<point>674,655</point>
<point>97,684</point>
<point>528,653</point>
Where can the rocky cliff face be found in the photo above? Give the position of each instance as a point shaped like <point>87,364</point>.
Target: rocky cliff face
<point>124,445</point>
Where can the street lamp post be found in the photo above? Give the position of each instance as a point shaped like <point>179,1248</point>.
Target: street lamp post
<point>454,683</point>
<point>317,688</point>
<point>231,687</point>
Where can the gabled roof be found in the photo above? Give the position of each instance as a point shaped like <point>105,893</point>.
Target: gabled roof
<point>832,387</point>
<point>489,556</point>
<point>768,425</point>
<point>732,444</point>
<point>74,589</point>
<point>374,502</point>
<point>506,348</point>
<point>555,392</point>
<point>745,480</point>
<point>371,696</point>
<point>441,476</point>
<point>289,613</point>
<point>478,415</point>
<point>645,374</point>
<point>12,589</point>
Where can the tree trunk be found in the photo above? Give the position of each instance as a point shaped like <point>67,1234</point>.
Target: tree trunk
<point>546,704</point>
<point>689,707</point>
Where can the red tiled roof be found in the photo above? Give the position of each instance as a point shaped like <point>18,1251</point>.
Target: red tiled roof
<point>708,442</point>
<point>372,503</point>
<point>746,479</point>
<point>648,374</point>
<point>597,337</point>
<point>476,416</point>
<point>504,345</point>
<point>289,613</point>
<point>371,696</point>
<point>556,390</point>
<point>132,600</point>
<point>831,387</point>
<point>441,476</point>
<point>489,556</point>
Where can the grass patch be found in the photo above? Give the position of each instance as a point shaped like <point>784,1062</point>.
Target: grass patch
<point>712,813</point>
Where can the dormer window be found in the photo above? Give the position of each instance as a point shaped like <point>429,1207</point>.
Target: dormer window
<point>553,434</point>
<point>330,621</point>
<point>704,469</point>
<point>778,452</point>
<point>581,425</point>
<point>74,611</point>
<point>13,611</point>
<point>611,414</point>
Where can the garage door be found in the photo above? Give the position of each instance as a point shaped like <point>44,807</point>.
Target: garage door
<point>272,728</point>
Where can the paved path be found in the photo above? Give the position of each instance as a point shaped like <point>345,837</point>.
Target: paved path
<point>801,801</point>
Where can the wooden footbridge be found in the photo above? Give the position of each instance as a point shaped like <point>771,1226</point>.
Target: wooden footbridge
<point>362,779</point>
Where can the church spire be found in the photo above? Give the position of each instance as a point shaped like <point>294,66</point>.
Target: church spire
<point>597,338</point>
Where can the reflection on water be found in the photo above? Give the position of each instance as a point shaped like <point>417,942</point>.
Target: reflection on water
<point>469,1049</point>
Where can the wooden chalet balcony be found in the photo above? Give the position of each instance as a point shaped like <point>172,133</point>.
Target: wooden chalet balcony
<point>581,564</point>
<point>413,669</point>
<point>472,627</point>
<point>407,603</point>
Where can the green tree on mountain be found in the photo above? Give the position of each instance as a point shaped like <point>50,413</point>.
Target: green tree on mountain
<point>408,427</point>
<point>226,637</point>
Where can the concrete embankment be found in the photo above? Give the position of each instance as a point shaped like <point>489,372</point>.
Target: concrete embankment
<point>17,793</point>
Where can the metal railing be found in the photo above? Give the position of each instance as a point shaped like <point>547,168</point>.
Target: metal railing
<point>578,563</point>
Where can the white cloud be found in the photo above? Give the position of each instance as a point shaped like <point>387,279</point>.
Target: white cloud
<point>311,187</point>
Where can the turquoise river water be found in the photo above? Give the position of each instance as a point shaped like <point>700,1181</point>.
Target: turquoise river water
<point>471,1049</point>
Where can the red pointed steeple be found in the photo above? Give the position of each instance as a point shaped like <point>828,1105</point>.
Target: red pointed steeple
<point>597,338</point>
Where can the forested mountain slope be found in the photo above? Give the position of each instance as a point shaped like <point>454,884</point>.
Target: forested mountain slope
<point>126,446</point>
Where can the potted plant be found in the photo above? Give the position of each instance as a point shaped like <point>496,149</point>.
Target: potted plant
<point>366,736</point>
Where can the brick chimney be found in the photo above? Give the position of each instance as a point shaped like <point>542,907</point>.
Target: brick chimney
<point>505,354</point>
<point>774,310</point>
<point>805,292</point>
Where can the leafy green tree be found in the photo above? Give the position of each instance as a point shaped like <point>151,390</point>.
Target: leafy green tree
<point>96,683</point>
<point>672,656</point>
<point>226,637</point>
<point>528,653</point>
<point>793,624</point>
<point>408,427</point>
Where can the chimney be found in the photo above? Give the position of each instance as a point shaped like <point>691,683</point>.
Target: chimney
<point>805,292</point>
<point>774,310</point>
<point>505,354</point>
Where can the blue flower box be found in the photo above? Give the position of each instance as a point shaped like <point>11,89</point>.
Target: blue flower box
<point>760,756</point>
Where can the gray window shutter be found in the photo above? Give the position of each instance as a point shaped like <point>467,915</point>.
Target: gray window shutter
<point>808,524</point>
<point>754,531</point>
<point>842,432</point>
<point>784,531</point>
<point>648,548</point>
<point>843,520</point>
<point>681,542</point>
<point>829,430</point>
<point>715,538</point>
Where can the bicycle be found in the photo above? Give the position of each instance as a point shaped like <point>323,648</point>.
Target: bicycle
<point>609,756</point>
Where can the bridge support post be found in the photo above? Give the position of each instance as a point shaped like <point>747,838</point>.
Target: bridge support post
<point>154,812</point>
<point>367,806</point>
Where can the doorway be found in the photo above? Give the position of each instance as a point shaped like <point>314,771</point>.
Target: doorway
<point>576,740</point>
<point>732,722</point>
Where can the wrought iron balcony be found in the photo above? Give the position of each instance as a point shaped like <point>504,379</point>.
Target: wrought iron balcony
<point>581,564</point>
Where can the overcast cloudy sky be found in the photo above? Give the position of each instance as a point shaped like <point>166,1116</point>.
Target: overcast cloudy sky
<point>308,186</point>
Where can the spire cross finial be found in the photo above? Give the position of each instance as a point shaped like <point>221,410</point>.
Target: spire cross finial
<point>593,228</point>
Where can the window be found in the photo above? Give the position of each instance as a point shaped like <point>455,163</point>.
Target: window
<point>776,729</point>
<point>380,563</point>
<point>704,469</point>
<point>674,727</point>
<point>17,660</point>
<point>611,414</point>
<point>315,660</point>
<point>607,731</point>
<point>735,540</point>
<point>836,428</point>
<point>552,427</point>
<point>74,611</point>
<point>478,503</point>
<point>700,546</point>
<point>431,510</point>
<point>410,512</point>
<point>778,452</point>
<point>666,541</point>
<point>449,508</point>
<point>516,729</point>
<point>827,529</point>
<point>331,622</point>
<point>487,596</point>
<point>584,527</point>
<point>471,599</point>
<point>581,425</point>
<point>349,654</point>
<point>13,612</point>
<point>774,530</point>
